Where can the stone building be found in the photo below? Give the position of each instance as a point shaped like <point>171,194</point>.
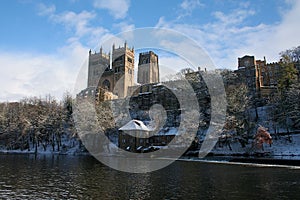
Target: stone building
<point>260,77</point>
<point>269,73</point>
<point>98,62</point>
<point>135,136</point>
<point>248,71</point>
<point>116,77</point>
<point>148,69</point>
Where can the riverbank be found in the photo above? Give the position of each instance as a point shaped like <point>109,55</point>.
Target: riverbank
<point>284,151</point>
<point>236,160</point>
<point>284,147</point>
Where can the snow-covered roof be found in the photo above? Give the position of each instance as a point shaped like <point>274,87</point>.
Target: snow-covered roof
<point>134,125</point>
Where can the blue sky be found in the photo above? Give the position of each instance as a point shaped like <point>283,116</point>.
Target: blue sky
<point>44,43</point>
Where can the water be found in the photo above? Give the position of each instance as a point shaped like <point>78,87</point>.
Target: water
<point>83,177</point>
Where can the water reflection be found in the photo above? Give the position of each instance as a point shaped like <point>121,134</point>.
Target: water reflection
<point>82,177</point>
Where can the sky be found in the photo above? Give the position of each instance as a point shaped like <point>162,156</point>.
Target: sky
<point>44,44</point>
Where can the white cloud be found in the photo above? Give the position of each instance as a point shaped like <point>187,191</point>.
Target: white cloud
<point>117,8</point>
<point>188,6</point>
<point>38,74</point>
<point>227,38</point>
<point>35,74</point>
<point>124,26</point>
<point>236,17</point>
<point>44,10</point>
<point>169,66</point>
<point>79,25</point>
<point>79,22</point>
<point>286,33</point>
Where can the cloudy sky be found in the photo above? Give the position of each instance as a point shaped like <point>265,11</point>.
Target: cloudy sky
<point>44,44</point>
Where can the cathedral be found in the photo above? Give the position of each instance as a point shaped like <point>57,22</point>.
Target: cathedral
<point>111,76</point>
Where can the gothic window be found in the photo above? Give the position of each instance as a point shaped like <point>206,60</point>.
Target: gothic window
<point>129,59</point>
<point>106,84</point>
<point>117,69</point>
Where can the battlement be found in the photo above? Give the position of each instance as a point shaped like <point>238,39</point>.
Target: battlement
<point>273,64</point>
<point>147,53</point>
<point>122,49</point>
<point>100,53</point>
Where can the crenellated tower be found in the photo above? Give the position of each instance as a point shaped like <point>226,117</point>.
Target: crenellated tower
<point>98,63</point>
<point>123,69</point>
<point>148,69</point>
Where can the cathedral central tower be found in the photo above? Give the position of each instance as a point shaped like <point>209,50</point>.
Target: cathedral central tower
<point>148,69</point>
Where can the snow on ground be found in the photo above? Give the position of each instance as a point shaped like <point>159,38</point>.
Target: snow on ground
<point>281,147</point>
<point>70,146</point>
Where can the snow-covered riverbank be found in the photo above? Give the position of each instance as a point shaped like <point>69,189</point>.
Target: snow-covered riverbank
<point>285,150</point>
<point>283,147</point>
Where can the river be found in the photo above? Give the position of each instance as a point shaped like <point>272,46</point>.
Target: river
<point>83,177</point>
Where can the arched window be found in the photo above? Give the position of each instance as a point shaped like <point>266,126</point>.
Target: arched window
<point>106,84</point>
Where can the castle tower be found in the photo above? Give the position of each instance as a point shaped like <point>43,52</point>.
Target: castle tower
<point>148,69</point>
<point>123,69</point>
<point>98,63</point>
<point>248,69</point>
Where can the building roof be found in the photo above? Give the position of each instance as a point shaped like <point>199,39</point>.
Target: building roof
<point>134,125</point>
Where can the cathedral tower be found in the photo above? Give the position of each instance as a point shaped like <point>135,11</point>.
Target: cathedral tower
<point>148,69</point>
<point>123,69</point>
<point>98,63</point>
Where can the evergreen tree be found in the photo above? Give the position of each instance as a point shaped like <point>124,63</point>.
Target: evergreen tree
<point>289,73</point>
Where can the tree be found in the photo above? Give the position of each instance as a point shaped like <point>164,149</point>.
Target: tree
<point>289,73</point>
<point>292,54</point>
<point>293,105</point>
<point>284,108</point>
<point>238,102</point>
